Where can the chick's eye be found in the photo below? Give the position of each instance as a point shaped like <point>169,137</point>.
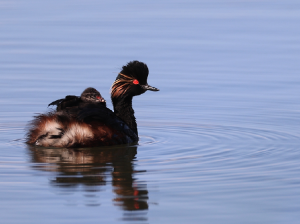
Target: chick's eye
<point>135,82</point>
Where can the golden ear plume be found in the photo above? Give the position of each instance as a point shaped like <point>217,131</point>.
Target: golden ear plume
<point>120,86</point>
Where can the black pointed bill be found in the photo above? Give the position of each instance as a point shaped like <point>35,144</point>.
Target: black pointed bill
<point>147,87</point>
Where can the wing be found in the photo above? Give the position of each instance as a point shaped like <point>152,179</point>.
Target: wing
<point>98,112</point>
<point>67,102</point>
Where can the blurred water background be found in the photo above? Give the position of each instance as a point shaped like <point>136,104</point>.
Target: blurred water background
<point>218,144</point>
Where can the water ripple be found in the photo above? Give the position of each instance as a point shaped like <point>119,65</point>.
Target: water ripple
<point>226,155</point>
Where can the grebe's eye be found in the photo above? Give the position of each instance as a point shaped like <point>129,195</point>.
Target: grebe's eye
<point>135,82</point>
<point>98,97</point>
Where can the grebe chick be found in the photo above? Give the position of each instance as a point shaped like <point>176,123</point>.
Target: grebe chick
<point>93,124</point>
<point>89,95</point>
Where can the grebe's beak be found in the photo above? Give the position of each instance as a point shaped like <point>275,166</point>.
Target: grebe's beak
<point>148,87</point>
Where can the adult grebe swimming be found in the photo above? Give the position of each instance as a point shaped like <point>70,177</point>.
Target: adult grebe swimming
<point>90,123</point>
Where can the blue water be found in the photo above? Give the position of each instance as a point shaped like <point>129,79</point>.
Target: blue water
<point>219,143</point>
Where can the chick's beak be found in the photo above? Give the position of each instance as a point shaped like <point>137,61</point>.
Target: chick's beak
<point>100,99</point>
<point>148,87</point>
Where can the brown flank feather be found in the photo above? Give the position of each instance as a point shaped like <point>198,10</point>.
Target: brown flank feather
<point>71,132</point>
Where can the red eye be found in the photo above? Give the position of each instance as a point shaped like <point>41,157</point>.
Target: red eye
<point>135,82</point>
<point>98,97</point>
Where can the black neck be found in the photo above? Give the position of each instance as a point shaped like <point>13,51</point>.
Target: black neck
<point>123,109</point>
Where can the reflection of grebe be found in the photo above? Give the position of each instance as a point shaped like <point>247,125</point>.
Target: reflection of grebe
<point>95,124</point>
<point>90,167</point>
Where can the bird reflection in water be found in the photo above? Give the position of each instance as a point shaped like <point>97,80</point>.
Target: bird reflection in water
<point>92,168</point>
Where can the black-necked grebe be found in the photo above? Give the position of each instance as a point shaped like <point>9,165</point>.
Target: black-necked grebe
<point>93,124</point>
